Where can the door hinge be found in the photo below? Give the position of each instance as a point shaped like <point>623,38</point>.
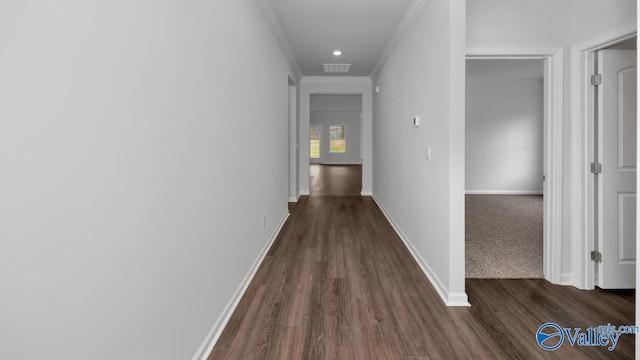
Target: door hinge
<point>596,256</point>
<point>596,168</point>
<point>596,79</point>
<point>544,177</point>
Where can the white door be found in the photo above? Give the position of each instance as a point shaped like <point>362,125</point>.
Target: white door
<point>617,184</point>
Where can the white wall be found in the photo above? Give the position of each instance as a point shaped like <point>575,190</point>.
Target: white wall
<point>130,210</point>
<point>351,121</point>
<point>327,110</point>
<point>504,123</point>
<point>424,76</point>
<point>592,18</point>
<point>333,102</point>
<point>338,85</point>
<point>517,24</point>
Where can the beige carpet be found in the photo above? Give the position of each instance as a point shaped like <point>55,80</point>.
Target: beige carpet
<point>504,236</point>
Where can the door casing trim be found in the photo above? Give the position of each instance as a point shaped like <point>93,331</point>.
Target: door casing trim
<point>582,196</point>
<point>553,118</point>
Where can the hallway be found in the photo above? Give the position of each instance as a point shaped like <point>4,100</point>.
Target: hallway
<point>339,284</point>
<point>335,179</point>
<point>158,200</point>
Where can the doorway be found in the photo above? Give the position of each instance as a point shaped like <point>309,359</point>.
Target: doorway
<point>585,257</point>
<point>504,168</point>
<point>552,148</point>
<point>613,97</point>
<point>335,144</point>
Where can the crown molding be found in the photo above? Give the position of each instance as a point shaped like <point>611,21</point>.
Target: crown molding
<point>277,29</point>
<point>409,17</point>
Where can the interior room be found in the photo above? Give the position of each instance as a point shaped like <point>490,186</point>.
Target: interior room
<point>335,144</point>
<point>504,168</point>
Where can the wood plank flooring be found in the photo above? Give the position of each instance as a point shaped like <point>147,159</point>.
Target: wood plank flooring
<point>339,284</point>
<point>335,179</point>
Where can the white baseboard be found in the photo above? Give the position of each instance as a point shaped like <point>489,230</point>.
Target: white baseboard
<point>458,299</point>
<point>365,193</point>
<point>566,279</point>
<point>303,193</point>
<point>214,334</point>
<point>503,192</point>
<point>450,299</point>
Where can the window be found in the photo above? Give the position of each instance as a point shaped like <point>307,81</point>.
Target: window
<point>314,143</point>
<point>337,135</point>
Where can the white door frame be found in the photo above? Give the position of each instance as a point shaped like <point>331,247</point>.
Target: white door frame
<point>354,85</point>
<point>582,241</point>
<point>553,92</point>
<point>293,141</point>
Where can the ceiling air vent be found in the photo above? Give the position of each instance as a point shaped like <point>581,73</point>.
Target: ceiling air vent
<point>336,68</point>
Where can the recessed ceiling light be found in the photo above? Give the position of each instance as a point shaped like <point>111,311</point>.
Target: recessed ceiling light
<point>337,52</point>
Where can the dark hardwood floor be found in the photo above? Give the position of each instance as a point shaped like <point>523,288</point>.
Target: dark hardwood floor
<point>339,284</point>
<point>335,179</point>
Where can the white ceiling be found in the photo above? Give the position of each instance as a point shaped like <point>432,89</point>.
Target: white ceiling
<point>360,28</point>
